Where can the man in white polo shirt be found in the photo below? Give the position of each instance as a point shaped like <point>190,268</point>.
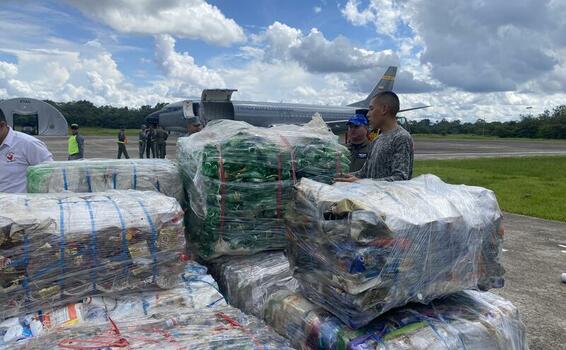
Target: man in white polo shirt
<point>17,152</point>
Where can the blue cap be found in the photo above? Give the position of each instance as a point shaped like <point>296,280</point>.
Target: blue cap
<point>358,119</point>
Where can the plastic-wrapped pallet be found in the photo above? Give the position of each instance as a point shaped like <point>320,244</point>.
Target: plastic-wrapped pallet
<point>58,248</point>
<point>99,175</point>
<point>362,249</point>
<point>207,329</point>
<point>467,320</point>
<point>196,290</point>
<point>248,282</point>
<point>239,177</point>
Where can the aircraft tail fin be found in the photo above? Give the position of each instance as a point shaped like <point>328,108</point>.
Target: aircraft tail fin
<point>385,84</point>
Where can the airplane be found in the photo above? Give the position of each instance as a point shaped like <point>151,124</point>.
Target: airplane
<point>218,104</point>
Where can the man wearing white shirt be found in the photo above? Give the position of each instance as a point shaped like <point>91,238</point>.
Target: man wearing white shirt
<point>17,152</point>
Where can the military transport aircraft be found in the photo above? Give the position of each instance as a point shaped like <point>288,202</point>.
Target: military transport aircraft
<point>218,104</point>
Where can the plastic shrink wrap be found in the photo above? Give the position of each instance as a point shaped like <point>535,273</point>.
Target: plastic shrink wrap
<point>58,248</point>
<point>364,248</point>
<point>208,329</point>
<point>195,290</point>
<point>99,175</point>
<point>467,320</point>
<point>248,282</point>
<point>239,177</point>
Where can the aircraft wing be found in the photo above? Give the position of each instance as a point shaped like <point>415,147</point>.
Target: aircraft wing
<point>340,125</point>
<point>385,84</point>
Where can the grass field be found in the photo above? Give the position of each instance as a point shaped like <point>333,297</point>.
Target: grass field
<point>466,137</point>
<point>530,186</point>
<point>87,131</point>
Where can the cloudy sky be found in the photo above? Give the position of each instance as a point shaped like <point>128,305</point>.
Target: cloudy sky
<point>470,59</point>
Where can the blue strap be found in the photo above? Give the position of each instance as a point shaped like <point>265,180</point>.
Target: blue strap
<point>134,176</point>
<point>153,241</point>
<point>65,182</point>
<point>114,178</point>
<point>124,241</point>
<point>25,282</point>
<point>158,185</point>
<point>88,180</point>
<point>92,244</point>
<point>62,244</point>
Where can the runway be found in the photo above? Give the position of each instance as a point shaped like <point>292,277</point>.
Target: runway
<point>106,147</point>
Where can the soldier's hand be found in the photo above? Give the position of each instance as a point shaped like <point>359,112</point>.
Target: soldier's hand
<point>345,178</point>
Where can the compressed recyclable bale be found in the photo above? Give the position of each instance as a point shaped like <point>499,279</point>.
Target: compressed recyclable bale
<point>239,177</point>
<point>467,320</point>
<point>99,175</point>
<point>58,248</point>
<point>362,249</point>
<point>221,328</point>
<point>248,282</point>
<point>195,290</point>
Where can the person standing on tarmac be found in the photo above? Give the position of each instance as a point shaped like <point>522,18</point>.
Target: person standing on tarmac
<point>161,142</point>
<point>142,140</point>
<point>150,145</point>
<point>76,144</point>
<point>122,142</point>
<point>359,144</point>
<point>18,151</point>
<point>392,155</point>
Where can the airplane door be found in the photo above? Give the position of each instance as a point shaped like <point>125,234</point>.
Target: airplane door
<point>217,104</point>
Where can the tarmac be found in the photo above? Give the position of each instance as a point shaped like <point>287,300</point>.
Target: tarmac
<point>534,257</point>
<point>106,147</point>
<point>534,253</point>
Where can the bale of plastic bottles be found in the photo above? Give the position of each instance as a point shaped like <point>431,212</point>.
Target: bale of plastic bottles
<point>58,248</point>
<point>99,175</point>
<point>239,178</point>
<point>361,249</point>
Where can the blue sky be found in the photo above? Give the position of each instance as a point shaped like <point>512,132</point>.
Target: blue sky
<point>468,59</point>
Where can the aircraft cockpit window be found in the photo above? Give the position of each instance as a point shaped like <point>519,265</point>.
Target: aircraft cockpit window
<point>195,108</point>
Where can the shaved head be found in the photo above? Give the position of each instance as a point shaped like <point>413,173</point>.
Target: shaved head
<point>389,99</point>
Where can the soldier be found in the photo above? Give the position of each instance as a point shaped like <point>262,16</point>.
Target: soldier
<point>161,142</point>
<point>150,146</point>
<point>359,144</point>
<point>122,142</point>
<point>392,155</point>
<point>142,139</point>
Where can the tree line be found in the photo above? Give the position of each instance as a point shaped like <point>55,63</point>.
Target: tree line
<point>547,125</point>
<point>85,113</point>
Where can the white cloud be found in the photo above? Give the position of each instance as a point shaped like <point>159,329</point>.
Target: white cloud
<point>317,9</point>
<point>194,19</point>
<point>182,69</point>
<point>477,46</point>
<point>384,14</point>
<point>318,54</point>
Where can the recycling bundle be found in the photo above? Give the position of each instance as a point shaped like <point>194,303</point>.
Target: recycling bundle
<point>263,285</point>
<point>239,178</point>
<point>192,315</point>
<point>99,175</point>
<point>58,248</point>
<point>361,249</point>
